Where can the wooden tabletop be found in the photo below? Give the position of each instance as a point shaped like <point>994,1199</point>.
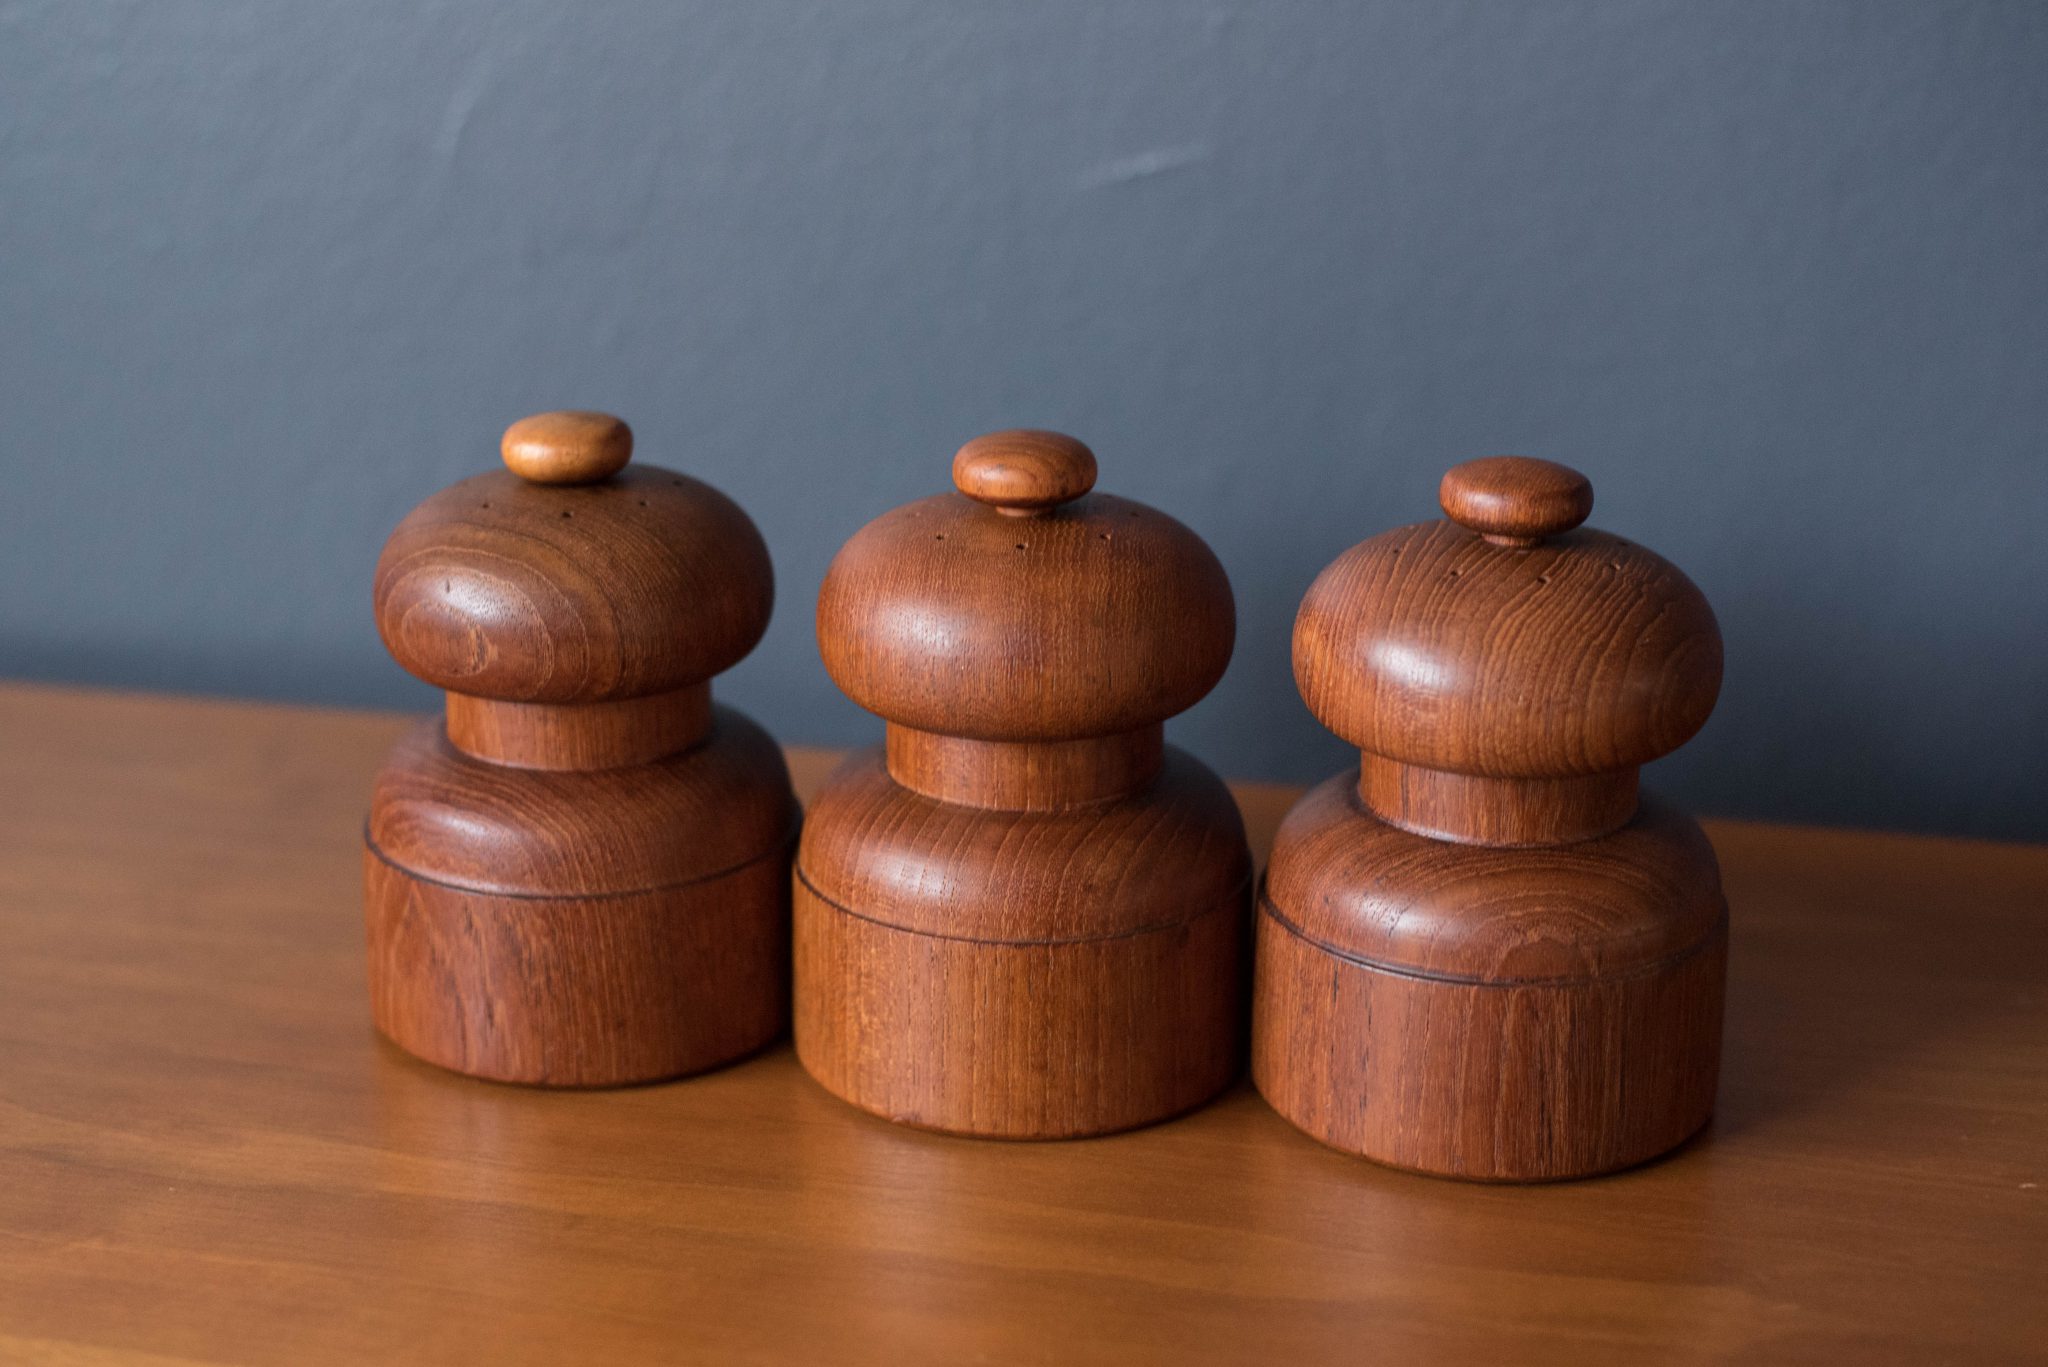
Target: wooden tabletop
<point>207,1157</point>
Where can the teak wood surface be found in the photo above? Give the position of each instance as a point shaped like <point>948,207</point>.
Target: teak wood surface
<point>1488,955</point>
<point>206,1155</point>
<point>1023,915</point>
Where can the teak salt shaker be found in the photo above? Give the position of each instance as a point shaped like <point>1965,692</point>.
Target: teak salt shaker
<point>1485,955</point>
<point>580,877</point>
<point>1023,916</point>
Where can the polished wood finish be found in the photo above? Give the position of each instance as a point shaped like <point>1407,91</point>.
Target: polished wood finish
<point>497,588</point>
<point>591,735</point>
<point>1024,473</point>
<point>1515,500</point>
<point>568,447</point>
<point>208,1158</point>
<point>1170,852</point>
<point>1475,809</point>
<point>580,877</point>
<point>1023,916</point>
<point>539,989</point>
<point>1097,617</point>
<point>1023,775</point>
<point>1484,956</point>
<point>1493,1014</point>
<point>1428,646</point>
<point>460,821</point>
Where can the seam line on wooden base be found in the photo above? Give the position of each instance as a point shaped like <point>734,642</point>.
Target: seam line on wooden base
<point>779,847</point>
<point>1719,931</point>
<point>1236,899</point>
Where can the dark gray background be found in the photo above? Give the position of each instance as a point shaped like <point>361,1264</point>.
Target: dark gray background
<point>1772,274</point>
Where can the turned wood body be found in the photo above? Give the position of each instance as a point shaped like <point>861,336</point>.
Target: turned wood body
<point>579,876</point>
<point>1023,915</point>
<point>1485,954</point>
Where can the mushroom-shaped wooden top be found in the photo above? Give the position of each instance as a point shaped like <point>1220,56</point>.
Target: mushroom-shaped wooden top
<point>1505,643</point>
<point>572,577</point>
<point>1025,607</point>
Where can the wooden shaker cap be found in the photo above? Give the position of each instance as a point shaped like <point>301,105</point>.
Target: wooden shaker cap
<point>1025,607</point>
<point>1025,471</point>
<point>1516,500</point>
<point>572,577</point>
<point>1508,642</point>
<point>567,447</point>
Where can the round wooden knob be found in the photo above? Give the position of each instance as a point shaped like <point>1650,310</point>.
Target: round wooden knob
<point>1516,500</point>
<point>569,447</point>
<point>1024,472</point>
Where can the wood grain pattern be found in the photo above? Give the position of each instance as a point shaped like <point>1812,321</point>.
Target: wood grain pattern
<point>1033,1039</point>
<point>1159,856</point>
<point>580,878</point>
<point>1024,472</point>
<point>1515,500</point>
<point>208,1157</point>
<point>1442,1077</point>
<point>1477,809</point>
<point>1097,617</point>
<point>1023,775</point>
<point>1499,1015</point>
<point>498,588</point>
<point>1485,957</point>
<point>1429,646</point>
<point>581,991</point>
<point>581,929</point>
<point>592,735</point>
<point>1023,916</point>
<point>573,446</point>
<point>570,833</point>
<point>1022,974</point>
<point>1647,894</point>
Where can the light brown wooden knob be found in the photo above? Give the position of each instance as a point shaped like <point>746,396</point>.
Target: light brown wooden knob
<point>567,447</point>
<point>1516,500</point>
<point>1025,471</point>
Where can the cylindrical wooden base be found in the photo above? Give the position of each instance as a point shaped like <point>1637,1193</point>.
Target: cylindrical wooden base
<point>576,928</point>
<point>1016,974</point>
<point>1489,1014</point>
<point>1480,1080</point>
<point>1018,1041</point>
<point>580,991</point>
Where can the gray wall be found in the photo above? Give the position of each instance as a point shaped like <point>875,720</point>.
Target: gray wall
<point>1772,274</point>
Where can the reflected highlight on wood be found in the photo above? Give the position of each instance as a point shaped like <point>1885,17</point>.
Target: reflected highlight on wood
<point>1023,916</point>
<point>581,878</point>
<point>592,735</point>
<point>1484,956</point>
<point>208,1157</point>
<point>1023,775</point>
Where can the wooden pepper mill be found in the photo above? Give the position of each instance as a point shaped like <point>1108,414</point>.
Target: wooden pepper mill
<point>1485,956</point>
<point>1023,916</point>
<point>581,878</point>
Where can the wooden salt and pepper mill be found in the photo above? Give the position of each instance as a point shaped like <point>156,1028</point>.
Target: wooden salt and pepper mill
<point>581,878</point>
<point>1023,916</point>
<point>1484,956</point>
